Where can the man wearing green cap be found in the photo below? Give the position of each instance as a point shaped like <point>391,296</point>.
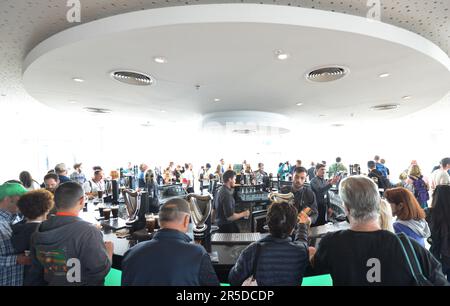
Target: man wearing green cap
<point>11,264</point>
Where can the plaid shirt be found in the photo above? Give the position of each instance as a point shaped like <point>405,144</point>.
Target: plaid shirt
<point>78,177</point>
<point>11,274</point>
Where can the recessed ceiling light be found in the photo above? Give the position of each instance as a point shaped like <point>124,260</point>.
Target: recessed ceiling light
<point>160,59</point>
<point>72,101</point>
<point>322,115</point>
<point>299,104</point>
<point>384,75</point>
<point>406,98</point>
<point>78,80</point>
<point>163,111</point>
<point>281,55</point>
<point>216,100</point>
<point>337,125</point>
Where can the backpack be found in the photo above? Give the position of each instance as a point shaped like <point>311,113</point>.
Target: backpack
<point>420,190</point>
<point>413,262</point>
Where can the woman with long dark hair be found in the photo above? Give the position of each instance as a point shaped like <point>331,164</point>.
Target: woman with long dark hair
<point>440,227</point>
<point>27,181</point>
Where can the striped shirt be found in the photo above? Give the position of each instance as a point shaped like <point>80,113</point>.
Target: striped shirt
<point>11,273</point>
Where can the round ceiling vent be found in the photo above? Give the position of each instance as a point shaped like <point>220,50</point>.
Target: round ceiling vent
<point>383,107</point>
<point>133,78</point>
<point>327,74</point>
<point>97,110</point>
<point>244,131</point>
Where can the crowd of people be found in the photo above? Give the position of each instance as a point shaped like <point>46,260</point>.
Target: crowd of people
<point>42,235</point>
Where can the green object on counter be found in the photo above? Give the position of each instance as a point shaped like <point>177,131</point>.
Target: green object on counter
<point>113,278</point>
<point>319,280</point>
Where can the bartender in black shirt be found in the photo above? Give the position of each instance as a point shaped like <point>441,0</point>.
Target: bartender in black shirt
<point>320,186</point>
<point>224,205</point>
<point>303,196</point>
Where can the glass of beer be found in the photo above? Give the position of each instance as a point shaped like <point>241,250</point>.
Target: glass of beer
<point>115,211</point>
<point>107,213</point>
<point>150,222</point>
<point>100,194</point>
<point>100,209</point>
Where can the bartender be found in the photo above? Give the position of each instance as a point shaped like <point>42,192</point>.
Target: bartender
<point>320,186</point>
<point>260,174</point>
<point>303,195</point>
<point>224,206</point>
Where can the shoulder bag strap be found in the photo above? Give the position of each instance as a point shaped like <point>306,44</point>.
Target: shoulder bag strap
<point>256,259</point>
<point>412,264</point>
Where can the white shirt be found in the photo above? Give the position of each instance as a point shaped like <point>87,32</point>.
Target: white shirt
<point>96,186</point>
<point>34,186</point>
<point>189,175</point>
<point>439,177</point>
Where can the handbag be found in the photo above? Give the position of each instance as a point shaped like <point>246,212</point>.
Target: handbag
<point>412,261</point>
<point>251,280</point>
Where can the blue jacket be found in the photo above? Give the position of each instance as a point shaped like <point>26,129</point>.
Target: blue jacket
<point>168,260</point>
<point>282,262</point>
<point>382,168</point>
<point>401,228</point>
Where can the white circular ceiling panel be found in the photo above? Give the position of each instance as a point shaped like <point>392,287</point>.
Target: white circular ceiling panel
<point>220,58</point>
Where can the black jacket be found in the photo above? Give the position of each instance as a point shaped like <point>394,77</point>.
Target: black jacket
<point>282,262</point>
<point>21,237</point>
<point>168,260</point>
<point>440,244</point>
<point>303,198</point>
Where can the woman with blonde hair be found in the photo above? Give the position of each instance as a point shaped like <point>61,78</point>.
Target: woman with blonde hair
<point>218,174</point>
<point>386,221</point>
<point>420,186</point>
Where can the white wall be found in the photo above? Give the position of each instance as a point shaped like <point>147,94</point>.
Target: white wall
<point>37,138</point>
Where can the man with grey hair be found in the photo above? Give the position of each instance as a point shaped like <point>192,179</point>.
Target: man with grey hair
<point>61,171</point>
<point>366,255</point>
<point>169,259</point>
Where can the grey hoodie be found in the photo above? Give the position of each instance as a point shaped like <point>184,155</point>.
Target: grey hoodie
<point>63,238</point>
<point>420,227</point>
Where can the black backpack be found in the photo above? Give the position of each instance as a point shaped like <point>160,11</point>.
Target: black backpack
<point>412,261</point>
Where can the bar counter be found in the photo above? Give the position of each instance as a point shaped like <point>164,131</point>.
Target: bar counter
<point>227,254</point>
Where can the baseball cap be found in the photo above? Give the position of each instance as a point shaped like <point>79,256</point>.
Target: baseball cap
<point>11,189</point>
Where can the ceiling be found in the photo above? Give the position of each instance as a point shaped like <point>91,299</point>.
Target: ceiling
<point>25,24</point>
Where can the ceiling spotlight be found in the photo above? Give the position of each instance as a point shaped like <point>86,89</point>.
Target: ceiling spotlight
<point>160,60</point>
<point>384,75</point>
<point>216,100</point>
<point>281,55</point>
<point>163,111</point>
<point>78,80</point>
<point>299,104</point>
<point>72,101</point>
<point>406,98</point>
